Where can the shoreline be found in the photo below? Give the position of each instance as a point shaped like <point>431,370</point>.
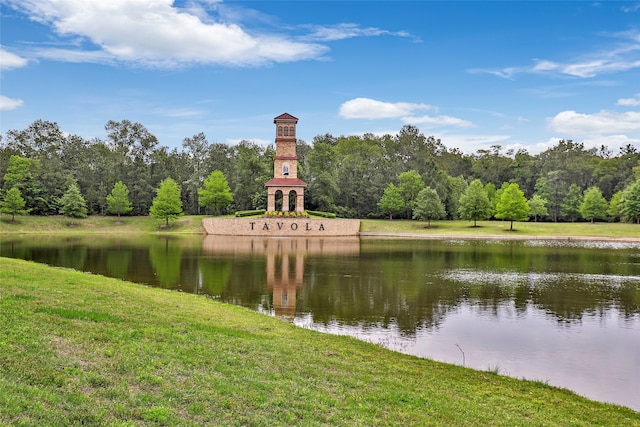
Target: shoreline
<point>400,229</point>
<point>417,236</point>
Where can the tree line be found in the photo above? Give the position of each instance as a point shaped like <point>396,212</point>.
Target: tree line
<point>407,175</point>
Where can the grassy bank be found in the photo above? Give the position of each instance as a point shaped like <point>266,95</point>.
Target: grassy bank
<point>79,349</point>
<point>99,225</point>
<point>501,228</point>
<point>193,225</point>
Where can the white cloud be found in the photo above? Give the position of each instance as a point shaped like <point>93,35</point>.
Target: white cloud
<point>9,104</point>
<point>632,8</point>
<point>366,108</point>
<point>155,33</point>
<point>630,102</point>
<point>470,143</point>
<point>601,123</point>
<point>437,121</point>
<point>347,31</point>
<point>624,56</point>
<point>599,66</point>
<point>542,65</point>
<point>9,61</point>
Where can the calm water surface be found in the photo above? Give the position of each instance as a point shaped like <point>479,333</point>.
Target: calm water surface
<point>560,312</point>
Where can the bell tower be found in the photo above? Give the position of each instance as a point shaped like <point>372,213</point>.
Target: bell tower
<point>285,183</point>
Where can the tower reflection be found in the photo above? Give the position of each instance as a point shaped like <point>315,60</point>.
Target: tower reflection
<point>285,260</point>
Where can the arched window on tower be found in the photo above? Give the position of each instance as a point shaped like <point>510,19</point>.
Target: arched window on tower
<point>292,131</point>
<point>286,131</point>
<point>279,130</point>
<point>285,169</point>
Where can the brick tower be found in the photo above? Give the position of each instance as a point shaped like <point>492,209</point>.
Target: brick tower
<point>285,184</point>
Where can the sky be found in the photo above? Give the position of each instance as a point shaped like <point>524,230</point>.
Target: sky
<point>476,74</point>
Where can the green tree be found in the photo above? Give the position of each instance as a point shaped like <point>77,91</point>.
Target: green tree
<point>18,171</point>
<point>118,201</point>
<point>491,166</point>
<point>320,165</point>
<point>615,206</point>
<point>13,203</point>
<point>133,148</point>
<point>631,202</point>
<point>512,205</point>
<point>391,202</point>
<point>19,175</point>
<point>72,203</point>
<point>553,189</point>
<point>474,203</point>
<point>362,182</point>
<point>167,204</point>
<point>492,192</point>
<point>215,192</point>
<point>428,206</point>
<point>537,207</point>
<point>456,188</point>
<point>594,205</point>
<point>570,207</point>
<point>195,151</point>
<point>410,184</point>
<point>252,168</point>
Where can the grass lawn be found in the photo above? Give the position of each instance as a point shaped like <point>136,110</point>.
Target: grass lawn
<point>192,224</point>
<point>80,349</point>
<point>501,228</point>
<point>99,225</point>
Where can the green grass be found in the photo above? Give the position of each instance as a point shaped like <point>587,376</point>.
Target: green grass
<point>100,225</point>
<point>80,349</point>
<point>193,225</point>
<point>501,228</point>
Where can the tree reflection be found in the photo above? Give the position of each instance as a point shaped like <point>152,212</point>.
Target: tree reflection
<point>118,262</point>
<point>411,285</point>
<point>166,260</point>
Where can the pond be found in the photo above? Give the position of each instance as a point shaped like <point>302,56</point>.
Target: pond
<point>565,313</point>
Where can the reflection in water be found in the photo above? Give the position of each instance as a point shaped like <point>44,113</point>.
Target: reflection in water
<point>285,258</point>
<point>566,313</point>
<point>166,261</point>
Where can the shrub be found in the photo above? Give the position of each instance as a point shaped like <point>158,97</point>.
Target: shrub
<point>254,212</point>
<point>322,214</point>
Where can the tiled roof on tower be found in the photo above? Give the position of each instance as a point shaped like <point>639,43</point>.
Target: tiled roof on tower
<point>285,117</point>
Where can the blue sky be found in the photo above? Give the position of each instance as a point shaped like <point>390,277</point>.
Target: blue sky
<point>474,74</point>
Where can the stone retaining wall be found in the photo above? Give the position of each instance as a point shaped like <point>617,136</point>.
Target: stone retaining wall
<point>300,227</point>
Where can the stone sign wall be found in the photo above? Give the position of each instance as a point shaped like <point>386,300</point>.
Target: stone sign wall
<point>281,227</point>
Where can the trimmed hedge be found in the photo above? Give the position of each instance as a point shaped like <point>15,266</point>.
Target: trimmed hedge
<point>322,214</point>
<point>254,212</point>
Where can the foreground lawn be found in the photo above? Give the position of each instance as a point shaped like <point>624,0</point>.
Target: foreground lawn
<point>79,349</point>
